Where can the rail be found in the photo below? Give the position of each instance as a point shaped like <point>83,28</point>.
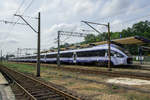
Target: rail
<point>36,89</point>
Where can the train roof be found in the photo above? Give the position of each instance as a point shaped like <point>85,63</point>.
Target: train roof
<point>105,46</point>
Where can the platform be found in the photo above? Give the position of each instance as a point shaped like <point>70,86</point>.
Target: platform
<point>2,80</point>
<point>5,90</point>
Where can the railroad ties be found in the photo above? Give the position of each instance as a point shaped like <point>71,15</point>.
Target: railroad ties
<point>28,88</point>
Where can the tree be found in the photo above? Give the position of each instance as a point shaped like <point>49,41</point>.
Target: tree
<point>141,28</point>
<point>90,38</point>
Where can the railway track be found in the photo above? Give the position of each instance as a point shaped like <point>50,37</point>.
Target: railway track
<point>136,75</point>
<point>28,88</point>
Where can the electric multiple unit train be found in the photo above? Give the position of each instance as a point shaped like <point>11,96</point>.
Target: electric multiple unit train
<point>96,55</point>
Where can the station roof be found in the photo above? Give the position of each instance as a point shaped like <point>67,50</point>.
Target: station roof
<point>128,40</point>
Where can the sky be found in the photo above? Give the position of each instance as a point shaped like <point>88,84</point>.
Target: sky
<point>64,15</point>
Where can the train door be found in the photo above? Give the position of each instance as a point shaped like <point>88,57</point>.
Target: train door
<point>45,58</point>
<point>74,57</point>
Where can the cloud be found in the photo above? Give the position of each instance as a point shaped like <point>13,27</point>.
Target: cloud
<point>62,26</point>
<point>117,21</point>
<point>12,40</point>
<point>114,6</point>
<point>84,7</point>
<point>52,32</point>
<point>6,38</point>
<point>68,10</point>
<point>65,15</point>
<point>8,7</point>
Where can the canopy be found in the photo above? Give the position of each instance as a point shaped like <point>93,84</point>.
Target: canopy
<point>128,40</point>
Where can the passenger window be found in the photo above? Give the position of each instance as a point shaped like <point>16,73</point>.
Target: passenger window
<point>113,53</point>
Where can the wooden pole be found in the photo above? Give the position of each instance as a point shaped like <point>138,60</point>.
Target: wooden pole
<point>109,49</point>
<point>38,47</point>
<point>58,51</point>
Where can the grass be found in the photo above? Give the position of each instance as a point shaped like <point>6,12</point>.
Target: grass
<point>115,87</point>
<point>20,67</point>
<point>71,80</point>
<point>137,96</point>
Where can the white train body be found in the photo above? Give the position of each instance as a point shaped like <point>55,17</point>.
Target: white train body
<point>96,54</point>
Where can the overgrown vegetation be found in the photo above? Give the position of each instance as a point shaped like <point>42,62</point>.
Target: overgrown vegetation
<point>74,81</point>
<point>20,67</point>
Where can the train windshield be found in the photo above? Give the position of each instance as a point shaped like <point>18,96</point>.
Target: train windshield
<point>122,49</point>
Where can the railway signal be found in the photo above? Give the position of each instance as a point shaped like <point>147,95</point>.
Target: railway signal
<point>108,41</point>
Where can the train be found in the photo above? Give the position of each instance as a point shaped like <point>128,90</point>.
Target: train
<point>93,55</point>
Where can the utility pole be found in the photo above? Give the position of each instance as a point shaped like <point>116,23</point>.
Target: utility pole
<point>18,54</point>
<point>1,55</point>
<point>58,51</point>
<point>108,40</point>
<point>109,51</point>
<point>38,46</point>
<point>7,57</point>
<point>38,40</point>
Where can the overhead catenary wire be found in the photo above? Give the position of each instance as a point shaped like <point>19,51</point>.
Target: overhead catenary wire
<point>32,2</point>
<point>8,22</point>
<point>10,29</point>
<point>21,4</point>
<point>12,19</point>
<point>25,10</point>
<point>19,7</point>
<point>22,14</point>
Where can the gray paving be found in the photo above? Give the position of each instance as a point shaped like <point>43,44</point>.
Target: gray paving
<point>0,96</point>
<point>5,90</point>
<point>2,79</point>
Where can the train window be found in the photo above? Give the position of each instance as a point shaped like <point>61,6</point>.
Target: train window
<point>113,53</point>
<point>102,53</point>
<point>51,56</point>
<point>28,57</point>
<point>33,57</point>
<point>67,55</point>
<point>42,56</point>
<point>91,53</point>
